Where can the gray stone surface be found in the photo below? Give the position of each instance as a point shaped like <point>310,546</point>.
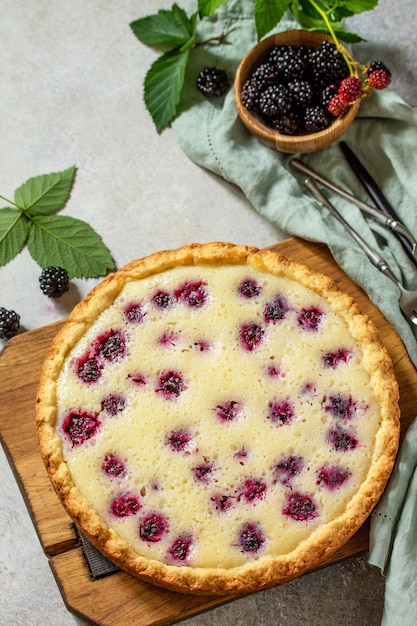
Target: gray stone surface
<point>71,93</point>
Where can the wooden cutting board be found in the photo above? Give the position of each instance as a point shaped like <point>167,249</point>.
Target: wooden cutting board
<point>119,599</point>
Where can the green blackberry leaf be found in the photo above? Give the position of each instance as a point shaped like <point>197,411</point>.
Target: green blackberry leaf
<point>310,19</point>
<point>14,228</point>
<point>356,6</point>
<point>348,37</point>
<point>163,84</point>
<point>311,22</point>
<point>45,194</point>
<point>268,13</point>
<point>206,8</point>
<point>67,242</point>
<point>167,27</point>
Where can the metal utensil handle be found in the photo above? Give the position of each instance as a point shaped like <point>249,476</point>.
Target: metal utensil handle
<point>376,258</point>
<point>375,193</point>
<point>385,219</point>
<point>302,167</point>
<point>367,181</point>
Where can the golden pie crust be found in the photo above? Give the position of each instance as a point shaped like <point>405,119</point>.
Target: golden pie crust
<point>264,571</point>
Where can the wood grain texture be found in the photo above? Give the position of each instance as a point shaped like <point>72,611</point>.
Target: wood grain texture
<point>121,600</point>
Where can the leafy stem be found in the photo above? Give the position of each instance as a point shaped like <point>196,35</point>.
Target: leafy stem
<point>218,38</point>
<point>10,202</point>
<point>55,240</point>
<point>22,210</point>
<point>325,17</point>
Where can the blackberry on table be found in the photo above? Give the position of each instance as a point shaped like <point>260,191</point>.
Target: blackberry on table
<point>213,82</point>
<point>274,101</point>
<point>9,323</point>
<point>54,281</point>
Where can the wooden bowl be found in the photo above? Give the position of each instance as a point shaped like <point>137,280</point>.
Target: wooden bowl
<point>272,138</point>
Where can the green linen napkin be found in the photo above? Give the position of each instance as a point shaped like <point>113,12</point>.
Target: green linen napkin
<point>384,137</point>
<point>393,537</point>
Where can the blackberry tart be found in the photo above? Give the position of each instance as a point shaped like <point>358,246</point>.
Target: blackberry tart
<point>218,419</point>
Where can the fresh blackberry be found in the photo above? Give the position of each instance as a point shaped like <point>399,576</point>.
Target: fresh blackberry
<point>266,74</point>
<point>317,63</point>
<point>212,82</point>
<point>315,119</point>
<point>274,101</point>
<point>329,62</point>
<point>327,47</point>
<point>249,95</point>
<point>307,55</point>
<point>327,94</point>
<point>289,124</point>
<point>288,60</point>
<point>54,281</point>
<point>301,92</point>
<point>319,82</point>
<point>9,323</point>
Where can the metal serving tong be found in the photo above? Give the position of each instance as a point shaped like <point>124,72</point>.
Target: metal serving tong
<point>389,222</point>
<point>407,300</point>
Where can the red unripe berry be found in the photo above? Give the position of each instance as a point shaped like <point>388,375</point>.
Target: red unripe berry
<point>379,79</point>
<point>350,89</point>
<point>337,106</point>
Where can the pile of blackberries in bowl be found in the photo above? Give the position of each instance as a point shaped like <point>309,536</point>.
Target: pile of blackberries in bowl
<point>297,92</point>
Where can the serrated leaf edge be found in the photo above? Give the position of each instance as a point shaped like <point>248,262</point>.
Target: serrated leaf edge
<point>106,264</point>
<point>154,74</point>
<point>71,169</point>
